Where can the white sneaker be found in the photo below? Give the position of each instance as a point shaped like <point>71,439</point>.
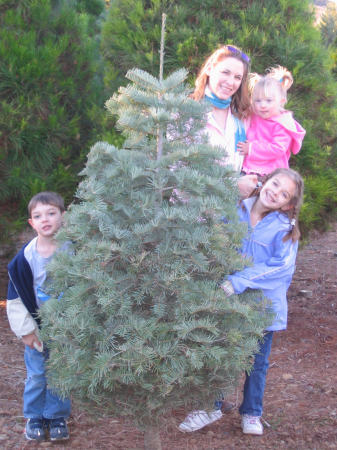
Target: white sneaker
<point>199,419</point>
<point>251,425</point>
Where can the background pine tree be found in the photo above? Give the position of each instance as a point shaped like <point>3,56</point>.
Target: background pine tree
<point>328,29</point>
<point>271,32</point>
<point>328,24</point>
<point>51,97</point>
<point>143,327</point>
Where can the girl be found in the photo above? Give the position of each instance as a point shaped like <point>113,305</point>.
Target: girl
<point>271,244</point>
<point>273,133</point>
<point>222,81</point>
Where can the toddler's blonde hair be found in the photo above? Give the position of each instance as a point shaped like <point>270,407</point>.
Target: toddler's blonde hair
<point>277,80</point>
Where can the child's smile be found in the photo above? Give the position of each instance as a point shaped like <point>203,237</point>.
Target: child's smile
<point>276,193</point>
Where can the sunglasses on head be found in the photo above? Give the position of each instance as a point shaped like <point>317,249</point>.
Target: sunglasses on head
<point>236,51</point>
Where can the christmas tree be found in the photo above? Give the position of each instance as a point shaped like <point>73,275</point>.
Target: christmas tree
<point>142,326</point>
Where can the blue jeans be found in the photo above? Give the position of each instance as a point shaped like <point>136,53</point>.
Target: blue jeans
<point>255,382</point>
<point>39,401</point>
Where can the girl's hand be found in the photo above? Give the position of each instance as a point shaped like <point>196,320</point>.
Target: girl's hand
<point>243,148</point>
<point>247,184</point>
<point>228,289</point>
<point>32,341</point>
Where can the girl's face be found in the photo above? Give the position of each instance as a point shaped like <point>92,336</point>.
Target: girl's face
<point>225,77</point>
<point>267,105</point>
<point>277,193</point>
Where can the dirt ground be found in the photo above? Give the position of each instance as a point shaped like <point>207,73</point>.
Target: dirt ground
<point>301,394</point>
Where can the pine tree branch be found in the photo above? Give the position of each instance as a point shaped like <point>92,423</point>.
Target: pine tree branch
<point>162,43</point>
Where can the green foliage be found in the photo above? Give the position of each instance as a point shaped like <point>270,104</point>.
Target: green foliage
<point>320,198</point>
<point>328,29</point>
<point>292,41</point>
<point>142,326</point>
<point>49,95</point>
<point>131,35</point>
<point>10,226</point>
<point>94,7</point>
<point>271,32</point>
<point>328,24</point>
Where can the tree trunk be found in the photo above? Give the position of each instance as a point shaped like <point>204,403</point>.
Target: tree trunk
<point>152,438</point>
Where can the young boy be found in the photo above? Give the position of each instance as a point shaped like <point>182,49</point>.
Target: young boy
<point>44,410</point>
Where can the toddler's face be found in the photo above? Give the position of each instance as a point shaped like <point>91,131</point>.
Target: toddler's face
<point>45,219</point>
<point>267,106</point>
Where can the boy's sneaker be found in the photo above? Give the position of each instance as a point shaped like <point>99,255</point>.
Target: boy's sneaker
<point>251,425</point>
<point>199,419</point>
<point>58,430</point>
<point>35,430</point>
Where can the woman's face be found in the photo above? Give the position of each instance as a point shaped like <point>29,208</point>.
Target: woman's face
<point>225,77</point>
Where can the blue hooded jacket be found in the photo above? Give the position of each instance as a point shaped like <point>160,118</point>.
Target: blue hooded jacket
<point>21,283</point>
<point>273,260</point>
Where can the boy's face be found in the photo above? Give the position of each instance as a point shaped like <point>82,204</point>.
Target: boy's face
<point>45,219</point>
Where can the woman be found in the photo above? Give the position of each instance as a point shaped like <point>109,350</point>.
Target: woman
<point>222,81</point>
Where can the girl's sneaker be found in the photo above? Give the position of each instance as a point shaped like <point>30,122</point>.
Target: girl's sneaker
<point>199,419</point>
<point>35,430</point>
<point>251,425</point>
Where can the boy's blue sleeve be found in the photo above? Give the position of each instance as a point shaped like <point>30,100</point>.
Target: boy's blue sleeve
<point>21,283</point>
<point>11,291</point>
<point>271,273</point>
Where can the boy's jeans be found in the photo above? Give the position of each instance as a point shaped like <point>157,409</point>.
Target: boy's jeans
<point>38,401</point>
<point>255,382</point>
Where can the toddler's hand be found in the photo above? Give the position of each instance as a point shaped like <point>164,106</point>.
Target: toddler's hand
<point>243,148</point>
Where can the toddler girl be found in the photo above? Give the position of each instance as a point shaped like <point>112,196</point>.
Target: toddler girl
<point>273,133</point>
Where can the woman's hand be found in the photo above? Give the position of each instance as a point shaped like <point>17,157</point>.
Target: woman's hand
<point>247,184</point>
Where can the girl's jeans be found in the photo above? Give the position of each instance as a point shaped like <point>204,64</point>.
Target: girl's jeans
<point>39,401</point>
<point>255,382</point>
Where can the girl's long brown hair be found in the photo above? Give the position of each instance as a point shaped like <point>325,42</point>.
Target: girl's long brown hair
<point>240,105</point>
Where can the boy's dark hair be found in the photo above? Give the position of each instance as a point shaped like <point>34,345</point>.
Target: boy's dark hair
<point>46,198</point>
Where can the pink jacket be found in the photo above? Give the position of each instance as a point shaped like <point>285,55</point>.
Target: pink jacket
<point>271,142</point>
